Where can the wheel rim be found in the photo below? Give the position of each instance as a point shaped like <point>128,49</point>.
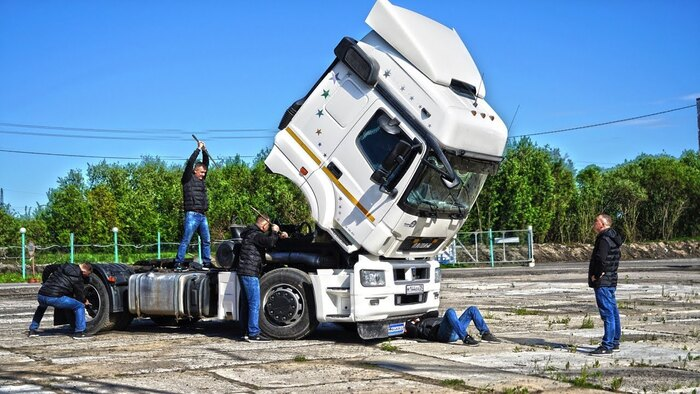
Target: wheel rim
<point>284,305</point>
<point>92,295</point>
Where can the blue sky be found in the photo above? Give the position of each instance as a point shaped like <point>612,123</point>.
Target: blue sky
<point>155,72</point>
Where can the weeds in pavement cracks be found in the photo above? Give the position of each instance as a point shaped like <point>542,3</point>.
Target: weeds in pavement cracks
<point>587,322</point>
<point>300,358</point>
<point>564,320</point>
<point>524,312</point>
<point>455,384</point>
<point>388,347</point>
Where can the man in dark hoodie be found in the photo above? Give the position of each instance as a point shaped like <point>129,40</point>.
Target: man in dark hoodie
<point>602,277</point>
<point>64,288</point>
<point>449,328</point>
<point>195,204</point>
<point>250,267</point>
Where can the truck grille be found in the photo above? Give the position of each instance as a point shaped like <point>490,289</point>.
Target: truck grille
<point>403,299</point>
<point>411,273</point>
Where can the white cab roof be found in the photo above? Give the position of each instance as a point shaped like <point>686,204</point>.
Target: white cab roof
<point>434,49</point>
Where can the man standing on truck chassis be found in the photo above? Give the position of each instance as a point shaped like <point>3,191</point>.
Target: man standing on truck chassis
<point>250,265</point>
<point>195,204</point>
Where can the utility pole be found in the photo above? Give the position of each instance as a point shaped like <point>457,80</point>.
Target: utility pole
<point>697,105</point>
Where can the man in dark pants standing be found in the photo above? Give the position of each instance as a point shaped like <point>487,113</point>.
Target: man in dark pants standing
<point>250,266</point>
<point>602,277</point>
<point>64,288</point>
<point>195,203</point>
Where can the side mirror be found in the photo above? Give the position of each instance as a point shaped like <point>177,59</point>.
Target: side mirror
<point>384,175</point>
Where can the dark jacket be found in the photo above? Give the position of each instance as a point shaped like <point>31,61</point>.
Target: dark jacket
<point>194,191</point>
<point>605,259</point>
<point>253,247</point>
<point>425,328</point>
<point>63,280</point>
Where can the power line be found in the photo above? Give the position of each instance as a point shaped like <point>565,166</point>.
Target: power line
<point>129,131</point>
<point>102,137</point>
<point>166,158</point>
<point>601,124</point>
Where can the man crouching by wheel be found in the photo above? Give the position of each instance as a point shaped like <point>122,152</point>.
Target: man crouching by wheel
<point>64,288</point>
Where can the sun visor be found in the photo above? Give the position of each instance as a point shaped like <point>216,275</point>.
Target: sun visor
<point>437,51</point>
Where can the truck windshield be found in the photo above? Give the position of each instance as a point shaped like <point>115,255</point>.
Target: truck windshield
<point>429,197</point>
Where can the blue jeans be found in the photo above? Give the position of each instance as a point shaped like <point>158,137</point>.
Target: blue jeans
<point>451,328</point>
<point>251,288</point>
<point>63,302</point>
<point>195,221</point>
<point>607,306</point>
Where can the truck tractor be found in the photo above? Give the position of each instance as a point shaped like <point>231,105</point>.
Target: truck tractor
<point>391,148</point>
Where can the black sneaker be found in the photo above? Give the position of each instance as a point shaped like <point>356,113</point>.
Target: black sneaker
<point>256,338</point>
<point>488,337</point>
<point>468,340</point>
<point>81,335</point>
<point>32,333</point>
<point>616,348</point>
<point>601,351</point>
<point>178,267</point>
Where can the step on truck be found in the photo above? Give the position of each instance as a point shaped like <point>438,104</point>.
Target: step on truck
<point>391,148</point>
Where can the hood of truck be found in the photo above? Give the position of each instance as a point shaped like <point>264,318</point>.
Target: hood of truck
<point>414,36</point>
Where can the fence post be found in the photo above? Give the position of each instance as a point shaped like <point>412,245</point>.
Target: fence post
<point>22,231</point>
<point>116,248</point>
<point>158,245</point>
<point>476,246</point>
<point>491,247</point>
<point>531,253</point>
<point>72,246</point>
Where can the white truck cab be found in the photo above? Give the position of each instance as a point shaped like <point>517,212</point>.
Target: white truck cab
<point>391,148</point>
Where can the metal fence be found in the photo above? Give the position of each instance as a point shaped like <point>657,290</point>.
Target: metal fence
<point>490,247</point>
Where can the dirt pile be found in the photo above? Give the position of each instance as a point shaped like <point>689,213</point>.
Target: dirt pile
<point>545,253</point>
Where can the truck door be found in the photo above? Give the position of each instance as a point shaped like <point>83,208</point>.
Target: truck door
<point>360,204</point>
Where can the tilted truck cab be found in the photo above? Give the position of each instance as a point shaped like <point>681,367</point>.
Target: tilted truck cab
<point>391,148</point>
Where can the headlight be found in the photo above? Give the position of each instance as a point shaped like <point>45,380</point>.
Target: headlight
<point>372,278</point>
<point>438,275</point>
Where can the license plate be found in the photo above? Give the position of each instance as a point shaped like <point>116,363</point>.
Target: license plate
<point>396,329</point>
<point>414,289</point>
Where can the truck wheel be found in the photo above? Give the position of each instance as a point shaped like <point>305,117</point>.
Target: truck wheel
<point>98,312</point>
<point>287,309</point>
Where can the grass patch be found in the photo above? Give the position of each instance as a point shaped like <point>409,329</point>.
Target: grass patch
<point>616,383</point>
<point>16,277</point>
<point>455,384</point>
<point>388,347</point>
<point>587,322</point>
<point>525,312</point>
<point>581,380</point>
<point>300,358</point>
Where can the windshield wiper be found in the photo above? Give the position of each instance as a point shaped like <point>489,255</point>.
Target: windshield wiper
<point>433,209</point>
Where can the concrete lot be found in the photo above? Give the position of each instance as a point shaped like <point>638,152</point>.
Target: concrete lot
<point>538,312</point>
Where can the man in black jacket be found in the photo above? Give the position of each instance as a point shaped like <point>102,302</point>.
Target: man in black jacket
<point>250,266</point>
<point>195,204</point>
<point>602,277</point>
<point>63,289</point>
<point>450,328</point>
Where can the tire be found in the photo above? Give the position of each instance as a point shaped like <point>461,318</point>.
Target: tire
<point>97,316</point>
<point>287,309</point>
